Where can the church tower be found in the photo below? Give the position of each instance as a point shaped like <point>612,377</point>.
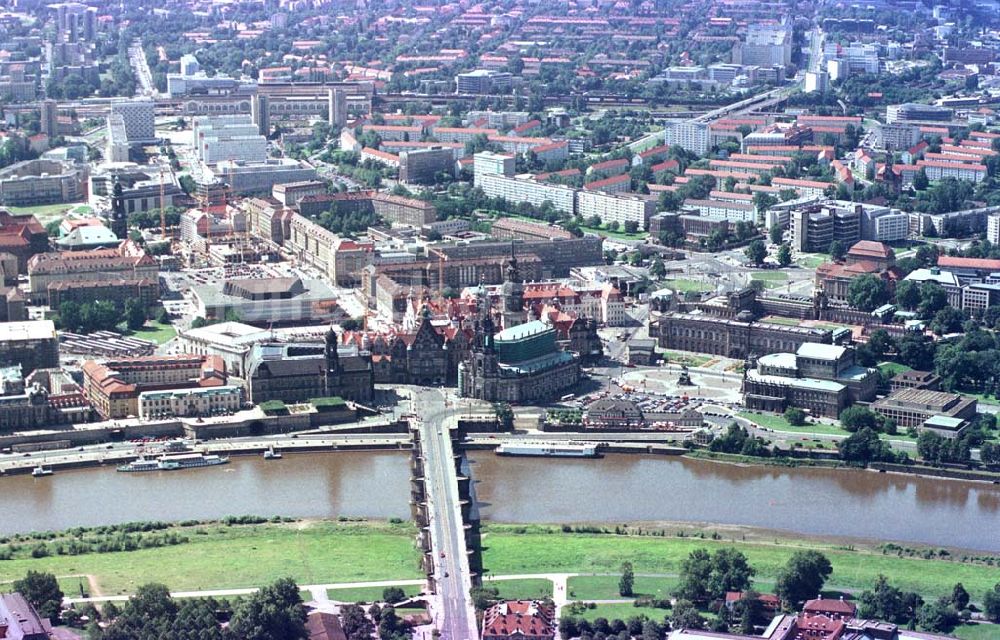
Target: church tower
<point>512,294</point>
<point>119,219</point>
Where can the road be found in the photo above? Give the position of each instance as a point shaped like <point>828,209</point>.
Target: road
<point>137,58</point>
<point>455,616</point>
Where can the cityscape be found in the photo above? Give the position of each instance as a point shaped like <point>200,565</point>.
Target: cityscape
<point>499,320</point>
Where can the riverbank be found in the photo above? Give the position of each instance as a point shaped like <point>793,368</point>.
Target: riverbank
<point>214,555</point>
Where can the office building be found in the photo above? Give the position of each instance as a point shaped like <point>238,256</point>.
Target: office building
<point>50,118</point>
<point>910,407</point>
<point>765,45</point>
<point>817,82</point>
<point>35,182</point>
<point>260,106</point>
<point>246,178</point>
<point>916,112</point>
<point>424,166</point>
<point>336,104</point>
<point>483,81</point>
<point>138,118</point>
<point>230,137</point>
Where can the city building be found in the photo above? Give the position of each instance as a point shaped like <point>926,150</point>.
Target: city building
<point>35,182</point>
<point>289,193</point>
<point>483,81</point>
<point>898,136</point>
<point>517,229</point>
<point>227,137</point>
<point>622,209</point>
<point>137,116</point>
<point>766,44</point>
<point>298,372</point>
<point>722,210</point>
<point>917,112</point>
<point>562,198</point>
<point>519,620</point>
<point>21,237</point>
<point>246,178</point>
<point>190,403</point>
<point>113,388</point>
<point>424,166</point>
<point>146,291</point>
<point>912,407</point>
<point>691,136</point>
<point>32,344</point>
<point>520,364</point>
<point>272,300</point>
<point>823,379</point>
<point>20,621</point>
<point>129,261</point>
<point>732,338</point>
<point>486,162</point>
<point>863,258</point>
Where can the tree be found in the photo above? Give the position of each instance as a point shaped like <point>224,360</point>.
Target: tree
<point>939,616</point>
<point>657,270</point>
<point>858,417</point>
<point>135,314</point>
<point>355,623</point>
<point>959,597</point>
<point>947,320</point>
<point>696,570</point>
<point>837,250</point>
<point>867,292</point>
<point>908,294</point>
<point>756,252</point>
<point>686,616</point>
<point>626,581</point>
<point>864,446</point>
<point>784,255</point>
<point>920,181</point>
<point>803,577</point>
<point>991,603</point>
<point>631,226</point>
<point>42,591</point>
<point>933,298</point>
<point>505,416</point>
<point>748,609</point>
<point>795,416</point>
<point>273,613</point>
<point>731,571</point>
<point>392,595</point>
<point>776,233</point>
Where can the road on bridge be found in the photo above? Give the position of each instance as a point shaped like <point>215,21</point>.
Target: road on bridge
<point>456,616</point>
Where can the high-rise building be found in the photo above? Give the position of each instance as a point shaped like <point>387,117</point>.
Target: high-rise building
<point>993,229</point>
<point>817,82</point>
<point>49,117</point>
<point>422,166</point>
<point>488,162</point>
<point>138,116</point>
<point>691,135</point>
<point>231,137</point>
<point>765,45</point>
<point>259,113</point>
<point>337,107</point>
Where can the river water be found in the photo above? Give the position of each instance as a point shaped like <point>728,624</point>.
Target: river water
<point>615,489</point>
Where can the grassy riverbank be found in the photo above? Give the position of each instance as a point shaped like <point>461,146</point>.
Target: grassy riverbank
<point>207,556</point>
<point>217,556</point>
<point>536,549</point>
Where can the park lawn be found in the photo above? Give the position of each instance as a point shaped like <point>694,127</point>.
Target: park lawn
<point>44,210</point>
<point>778,423</point>
<point>984,398</point>
<point>622,611</point>
<point>689,359</point>
<point>367,594</point>
<point>978,632</point>
<point>522,588</point>
<point>311,552</point>
<point>811,262</point>
<point>618,235</point>
<point>684,285</point>
<point>156,332</point>
<point>548,549</point>
<point>606,587</point>
<point>892,369</point>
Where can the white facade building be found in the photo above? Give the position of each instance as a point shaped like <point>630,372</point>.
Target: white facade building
<point>138,117</point>
<point>993,229</point>
<point>691,136</point>
<point>892,227</point>
<point>191,403</point>
<point>615,208</point>
<point>563,198</point>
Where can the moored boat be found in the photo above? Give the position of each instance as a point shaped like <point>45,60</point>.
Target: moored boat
<point>173,462</point>
<point>549,450</point>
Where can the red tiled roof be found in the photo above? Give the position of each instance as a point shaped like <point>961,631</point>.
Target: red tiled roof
<point>982,264</point>
<point>871,248</point>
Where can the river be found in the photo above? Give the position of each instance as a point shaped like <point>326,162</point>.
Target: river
<point>615,489</point>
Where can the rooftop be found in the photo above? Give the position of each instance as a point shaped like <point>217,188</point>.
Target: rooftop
<point>821,351</point>
<point>27,330</point>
